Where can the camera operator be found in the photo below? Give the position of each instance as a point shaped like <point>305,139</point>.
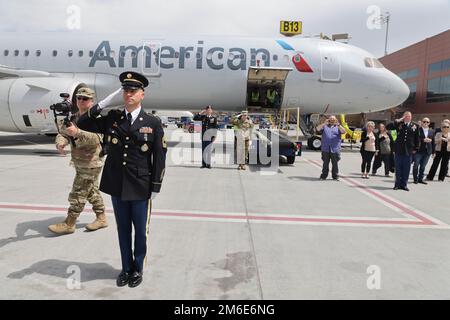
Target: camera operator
<point>86,159</point>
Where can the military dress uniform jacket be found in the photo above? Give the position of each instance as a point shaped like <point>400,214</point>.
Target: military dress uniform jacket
<point>207,123</point>
<point>135,165</point>
<point>407,137</point>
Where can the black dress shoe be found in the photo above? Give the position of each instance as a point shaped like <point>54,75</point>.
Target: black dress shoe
<point>208,166</point>
<point>135,279</point>
<point>423,182</point>
<point>405,188</point>
<point>416,182</point>
<point>123,279</point>
<point>396,188</point>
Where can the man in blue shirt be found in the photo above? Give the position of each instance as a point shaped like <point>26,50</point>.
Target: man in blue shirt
<point>331,131</point>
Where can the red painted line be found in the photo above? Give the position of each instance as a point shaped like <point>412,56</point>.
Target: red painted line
<point>384,199</point>
<point>232,217</point>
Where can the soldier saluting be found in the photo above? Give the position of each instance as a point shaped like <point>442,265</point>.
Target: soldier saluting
<point>209,132</point>
<point>133,171</point>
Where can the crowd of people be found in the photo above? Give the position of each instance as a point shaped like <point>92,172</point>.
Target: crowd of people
<point>414,145</point>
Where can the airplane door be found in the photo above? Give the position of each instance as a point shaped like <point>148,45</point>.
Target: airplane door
<point>330,63</point>
<point>149,58</point>
<point>261,79</point>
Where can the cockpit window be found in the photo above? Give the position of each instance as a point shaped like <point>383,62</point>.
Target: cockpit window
<point>377,63</point>
<point>373,63</point>
<point>368,62</point>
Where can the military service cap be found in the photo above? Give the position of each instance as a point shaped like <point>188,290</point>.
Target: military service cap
<point>86,92</point>
<point>133,80</point>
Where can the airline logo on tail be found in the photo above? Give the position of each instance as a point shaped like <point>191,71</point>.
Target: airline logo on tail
<point>299,62</point>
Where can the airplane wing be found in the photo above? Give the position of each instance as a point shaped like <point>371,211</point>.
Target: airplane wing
<point>9,72</point>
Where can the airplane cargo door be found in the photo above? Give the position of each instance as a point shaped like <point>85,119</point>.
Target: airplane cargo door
<point>265,87</point>
<point>149,58</point>
<point>329,63</point>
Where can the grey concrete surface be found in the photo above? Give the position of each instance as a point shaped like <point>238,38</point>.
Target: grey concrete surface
<point>227,234</point>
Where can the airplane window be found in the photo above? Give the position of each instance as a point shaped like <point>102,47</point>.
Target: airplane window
<point>230,56</point>
<point>26,53</point>
<point>102,54</point>
<point>368,62</point>
<point>38,53</point>
<point>6,53</point>
<point>177,55</point>
<point>16,53</point>
<point>80,53</point>
<point>91,53</point>
<point>220,55</point>
<point>275,57</point>
<point>55,53</point>
<point>70,53</point>
<point>133,54</point>
<point>377,63</point>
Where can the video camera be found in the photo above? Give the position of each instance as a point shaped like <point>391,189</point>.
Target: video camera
<point>64,109</point>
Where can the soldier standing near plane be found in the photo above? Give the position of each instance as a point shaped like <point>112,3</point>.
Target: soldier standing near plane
<point>244,126</point>
<point>406,146</point>
<point>88,164</point>
<point>133,172</point>
<point>209,132</point>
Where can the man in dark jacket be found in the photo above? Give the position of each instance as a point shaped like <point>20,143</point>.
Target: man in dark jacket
<point>133,171</point>
<point>426,149</point>
<point>406,146</point>
<point>209,132</point>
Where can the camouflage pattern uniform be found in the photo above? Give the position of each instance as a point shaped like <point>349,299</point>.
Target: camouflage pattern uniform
<point>88,166</point>
<point>243,135</point>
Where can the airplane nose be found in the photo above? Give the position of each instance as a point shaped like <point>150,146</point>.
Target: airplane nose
<point>403,90</point>
<point>400,90</point>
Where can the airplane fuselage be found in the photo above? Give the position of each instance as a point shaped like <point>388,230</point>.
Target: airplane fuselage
<point>187,73</point>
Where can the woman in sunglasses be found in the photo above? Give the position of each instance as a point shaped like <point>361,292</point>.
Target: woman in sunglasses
<point>442,152</point>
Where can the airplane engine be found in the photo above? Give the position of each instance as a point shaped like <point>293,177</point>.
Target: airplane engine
<point>25,102</point>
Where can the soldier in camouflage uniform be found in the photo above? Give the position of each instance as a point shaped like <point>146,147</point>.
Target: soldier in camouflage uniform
<point>88,164</point>
<point>244,127</point>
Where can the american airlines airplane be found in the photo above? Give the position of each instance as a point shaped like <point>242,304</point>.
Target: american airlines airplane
<point>187,73</point>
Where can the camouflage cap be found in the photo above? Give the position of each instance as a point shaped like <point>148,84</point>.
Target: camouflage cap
<point>86,92</point>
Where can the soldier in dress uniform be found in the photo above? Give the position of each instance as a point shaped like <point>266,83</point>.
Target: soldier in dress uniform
<point>209,132</point>
<point>406,146</point>
<point>133,171</point>
<point>88,163</point>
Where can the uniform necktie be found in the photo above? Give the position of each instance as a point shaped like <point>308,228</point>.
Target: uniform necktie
<point>130,118</point>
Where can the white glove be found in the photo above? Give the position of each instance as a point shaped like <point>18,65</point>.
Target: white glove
<point>153,196</point>
<point>107,101</point>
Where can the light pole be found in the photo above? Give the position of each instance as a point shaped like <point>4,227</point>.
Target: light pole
<point>384,18</point>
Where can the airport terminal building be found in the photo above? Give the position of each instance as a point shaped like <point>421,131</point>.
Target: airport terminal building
<point>425,67</point>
